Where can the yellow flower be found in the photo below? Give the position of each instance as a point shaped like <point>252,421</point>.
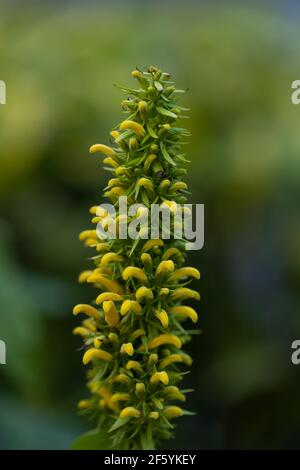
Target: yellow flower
<point>103,149</point>
<point>111,315</point>
<point>84,275</point>
<point>140,388</point>
<point>178,186</point>
<point>134,365</point>
<point>110,161</point>
<point>84,404</point>
<point>143,293</point>
<point>109,258</point>
<point>173,393</point>
<point>164,339</point>
<point>87,309</point>
<point>115,134</point>
<point>130,412</point>
<point>130,306</point>
<point>96,354</point>
<point>145,183</point>
<point>88,234</point>
<point>186,311</point>
<point>132,271</point>
<point>184,272</point>
<point>120,397</point>
<point>160,377</point>
<point>108,296</point>
<point>113,286</point>
<point>170,360</point>
<point>173,412</point>
<point>81,331</point>
<point>121,378</point>
<point>137,333</point>
<point>150,159</point>
<point>171,252</point>
<point>127,348</point>
<point>135,126</point>
<point>163,317</point>
<point>153,415</point>
<point>151,244</point>
<point>185,293</point>
<point>164,267</point>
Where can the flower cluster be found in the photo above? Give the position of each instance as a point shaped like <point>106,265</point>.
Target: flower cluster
<point>133,332</point>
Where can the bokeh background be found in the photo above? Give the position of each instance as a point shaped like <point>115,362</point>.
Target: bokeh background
<point>60,61</point>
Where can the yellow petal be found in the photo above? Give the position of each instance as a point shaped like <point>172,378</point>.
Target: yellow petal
<point>135,126</point>
<point>110,312</point>
<point>145,183</point>
<point>151,244</point>
<point>130,412</point>
<point>130,306</point>
<point>171,252</point>
<point>127,348</point>
<point>120,397</point>
<point>96,354</point>
<point>109,258</point>
<point>87,309</point>
<point>108,296</point>
<point>186,311</point>
<point>103,149</point>
<point>185,293</point>
<point>170,360</point>
<point>113,286</point>
<point>143,293</point>
<point>185,272</point>
<point>81,331</point>
<point>173,412</point>
<point>164,266</point>
<point>165,339</point>
<point>132,271</point>
<point>163,317</point>
<point>160,377</point>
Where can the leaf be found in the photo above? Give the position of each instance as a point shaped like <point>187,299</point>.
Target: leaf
<point>151,131</point>
<point>158,86</point>
<point>92,440</point>
<point>166,155</point>
<point>119,423</point>
<point>166,112</point>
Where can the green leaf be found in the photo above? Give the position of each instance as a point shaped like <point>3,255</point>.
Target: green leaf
<point>158,86</point>
<point>92,440</point>
<point>119,423</point>
<point>166,155</point>
<point>166,112</point>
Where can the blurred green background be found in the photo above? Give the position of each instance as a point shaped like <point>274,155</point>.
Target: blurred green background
<point>59,62</point>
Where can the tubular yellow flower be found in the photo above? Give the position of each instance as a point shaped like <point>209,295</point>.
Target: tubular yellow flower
<point>121,378</point>
<point>115,134</point>
<point>173,412</point>
<point>88,234</point>
<point>163,317</point>
<point>111,315</point>
<point>153,415</point>
<point>145,183</point>
<point>170,360</point>
<point>173,393</point>
<point>140,388</point>
<point>185,272</point>
<point>84,404</point>
<point>113,286</point>
<point>164,185</point>
<point>171,252</point>
<point>160,377</point>
<point>185,311</point>
<point>143,293</point>
<point>110,258</point>
<point>134,365</point>
<point>130,412</point>
<point>164,267</point>
<point>151,244</point>
<point>185,293</point>
<point>81,331</point>
<point>132,271</point>
<point>149,160</point>
<point>96,354</point>
<point>164,339</point>
<point>127,348</point>
<point>84,275</point>
<point>114,182</point>
<point>108,296</point>
<point>130,306</point>
<point>171,205</point>
<point>110,161</point>
<point>87,309</point>
<point>120,397</point>
<point>134,126</point>
<point>102,149</point>
<point>178,186</point>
